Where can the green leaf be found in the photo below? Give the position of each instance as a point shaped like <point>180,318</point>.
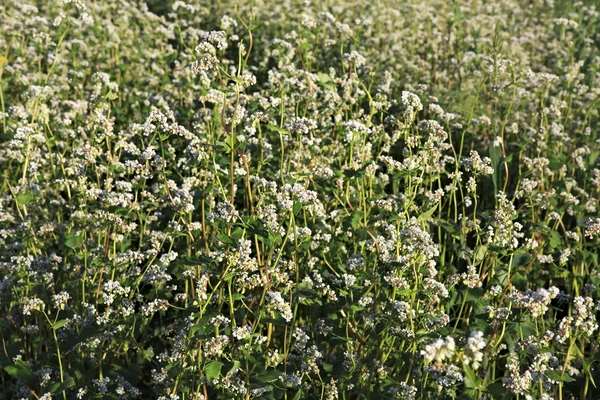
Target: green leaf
<point>449,226</point>
<point>555,239</point>
<point>353,220</point>
<point>361,234</point>
<point>238,296</point>
<point>472,381</point>
<point>480,253</point>
<point>495,156</point>
<point>236,235</point>
<point>226,145</point>
<point>73,240</point>
<point>356,217</point>
<point>59,387</point>
<point>59,324</point>
<point>520,259</point>
<point>228,277</point>
<point>475,294</point>
<point>519,281</point>
<point>215,117</point>
<point>324,78</point>
<point>24,198</point>
<point>352,173</point>
<point>427,214</point>
<point>277,129</point>
<point>235,367</point>
<point>20,370</point>
<point>305,46</point>
<point>555,163</point>
<point>193,330</point>
<point>558,376</point>
<point>260,232</point>
<point>225,239</point>
<point>588,371</point>
<point>497,390</point>
<point>268,376</point>
<point>212,370</point>
<point>297,207</point>
<point>326,81</point>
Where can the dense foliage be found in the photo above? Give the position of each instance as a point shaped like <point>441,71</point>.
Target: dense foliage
<point>299,200</point>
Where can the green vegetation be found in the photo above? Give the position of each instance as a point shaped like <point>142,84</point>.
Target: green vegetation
<point>299,200</point>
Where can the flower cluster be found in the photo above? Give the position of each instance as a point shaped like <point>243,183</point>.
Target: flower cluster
<point>304,199</point>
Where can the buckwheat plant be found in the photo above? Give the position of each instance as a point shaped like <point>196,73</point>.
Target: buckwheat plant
<point>299,199</point>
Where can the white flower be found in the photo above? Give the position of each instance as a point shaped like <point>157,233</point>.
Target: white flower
<point>439,350</point>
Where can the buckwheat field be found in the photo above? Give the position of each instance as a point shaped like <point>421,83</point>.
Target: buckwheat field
<point>299,199</point>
